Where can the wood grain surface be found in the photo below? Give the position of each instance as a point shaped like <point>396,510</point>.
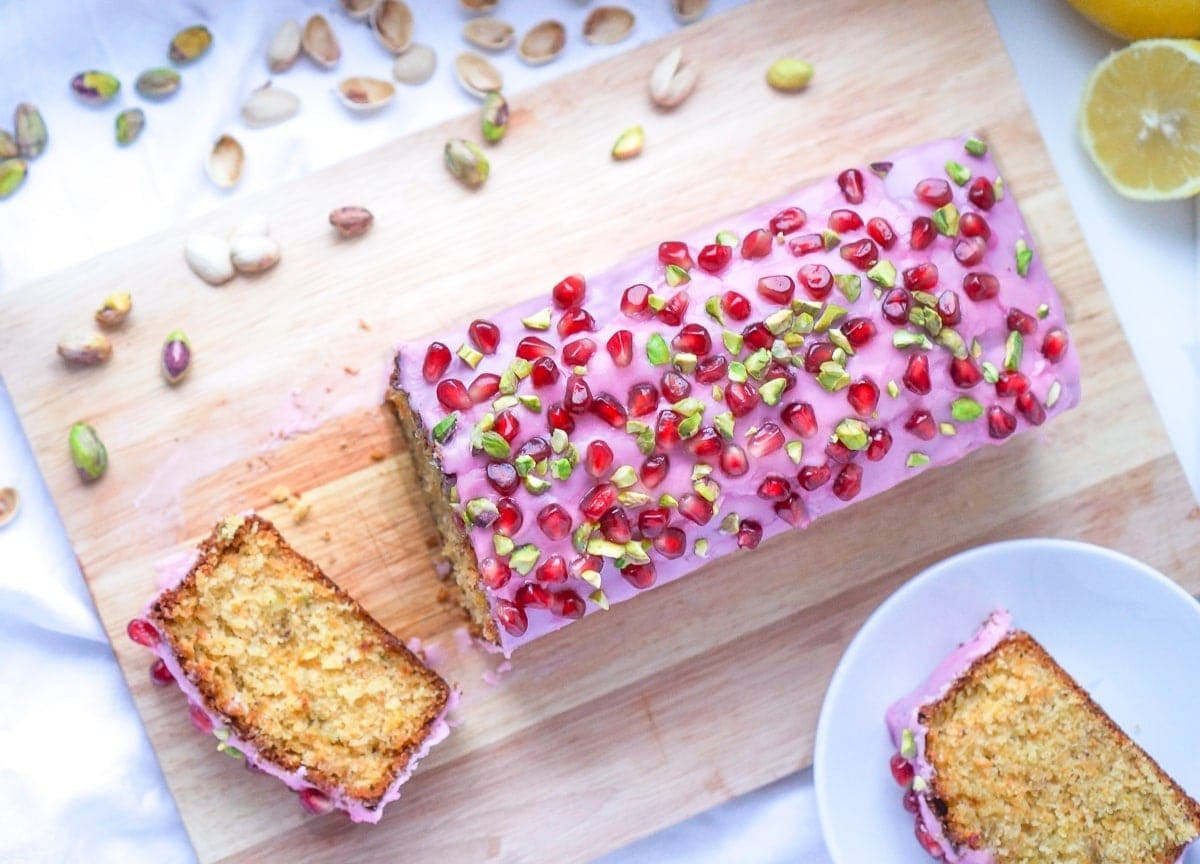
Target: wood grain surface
<point>701,690</point>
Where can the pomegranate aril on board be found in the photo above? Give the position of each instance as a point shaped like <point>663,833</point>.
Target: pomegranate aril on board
<point>577,397</point>
<point>553,569</point>
<point>532,347</point>
<point>934,191</point>
<point>484,335</point>
<point>694,339</point>
<point>503,477</point>
<point>675,252</point>
<point>844,220</point>
<point>981,286</point>
<point>507,425</point>
<point>674,309</point>
<point>812,477</point>
<point>314,801</point>
<point>671,542</point>
<point>512,617</point>
<point>142,632</point>
<point>973,225</point>
<point>1054,346</point>
<point>749,534</point>
<point>922,234</point>
<point>982,193</point>
<point>880,444</point>
<point>788,220</point>
<point>575,321</point>
<point>735,305</point>
<point>543,372</point>
<point>800,418</point>
<point>1011,383</point>
<point>921,424</point>
<point>757,244</point>
<point>510,518</point>
<point>607,408</point>
<point>635,301</point>
<point>863,396</point>
<point>570,292</point>
<point>620,347</point>
<point>597,459</point>
<point>643,399</point>
<point>881,232</point>
<point>969,251</point>
<point>902,770</point>
<point>674,386</point>
<point>453,395</point>
<point>531,594</point>
<point>965,372</point>
<point>850,182</point>
<point>714,257</point>
<point>777,289</point>
<point>817,280</point>
<point>567,604</point>
<point>1022,322</point>
<point>484,387</point>
<point>734,461</point>
<point>1031,409</point>
<point>579,352</point>
<point>916,375</point>
<point>653,521</point>
<point>896,304</point>
<point>848,482</point>
<point>863,254</point>
<point>1001,424</point>
<point>639,575</point>
<point>922,277</point>
<point>806,244</point>
<point>437,361</point>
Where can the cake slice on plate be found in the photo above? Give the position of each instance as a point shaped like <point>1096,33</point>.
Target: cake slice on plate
<point>1006,760</point>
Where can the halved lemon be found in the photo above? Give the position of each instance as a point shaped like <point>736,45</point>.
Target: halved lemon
<point>1140,119</point>
<point>1144,19</point>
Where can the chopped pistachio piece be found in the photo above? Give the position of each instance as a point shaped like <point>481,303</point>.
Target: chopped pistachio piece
<point>532,402</point>
<point>495,445</point>
<point>624,477</point>
<point>701,548</point>
<point>1053,393</point>
<point>908,744</point>
<point>723,423</point>
<point>1024,257</point>
<point>737,371</point>
<point>925,298</point>
<point>1014,347</point>
<point>469,355</point>
<point>945,220</point>
<point>838,338</point>
<point>830,239</point>
<point>713,307</point>
<point>581,535</point>
<point>504,403</point>
<point>727,238</point>
<point>508,382</point>
<point>558,440</point>
<point>976,348</point>
<point>685,362</point>
<point>677,276</point>
<point>795,450</point>
<point>707,488</point>
<point>950,339</point>
<point>718,393</point>
<point>591,577</point>
<point>965,409</point>
<point>629,143</point>
<point>883,273</point>
<point>630,498</point>
<point>833,377</point>
<point>635,552</point>
<point>893,389</point>
<point>947,429</point>
<point>919,784</point>
<point>812,307</point>
<point>599,598</point>
<point>523,464</point>
<point>908,339</point>
<point>701,469</point>
<point>656,303</point>
<point>730,523</point>
<point>850,284</point>
<point>757,363</point>
<point>561,469</point>
<point>604,548</point>
<point>688,406</point>
<point>445,427</point>
<point>502,544</point>
<point>916,459</point>
<point>733,342</point>
<point>771,391</point>
<point>990,373</point>
<point>689,426</point>
<point>829,316</point>
<point>958,172</point>
<point>853,433</point>
<point>998,188</point>
<point>536,485</point>
<point>538,320</point>
<point>1043,310</point>
<point>644,434</point>
<point>778,322</point>
<point>657,351</point>
<point>667,500</point>
<point>481,511</point>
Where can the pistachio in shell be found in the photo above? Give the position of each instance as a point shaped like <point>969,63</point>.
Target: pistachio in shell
<point>190,44</point>
<point>466,162</point>
<point>494,117</point>
<point>129,125</point>
<point>320,43</point>
<point>285,46</point>
<point>363,94</point>
<point>225,162</point>
<point>209,257</point>
<point>490,34</point>
<point>357,9</point>
<point>416,65</point>
<point>95,87</point>
<point>476,75</point>
<point>478,7</point>
<point>8,146</point>
<point>158,83</point>
<point>12,175</point>
<point>10,503</point>
<point>687,11</point>
<point>608,25</point>
<point>392,23</point>
<point>87,452</point>
<point>542,43</point>
<point>672,80</point>
<point>31,130</point>
<point>269,105</point>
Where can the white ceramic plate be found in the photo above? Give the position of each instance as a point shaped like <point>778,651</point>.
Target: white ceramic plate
<point>1127,634</point>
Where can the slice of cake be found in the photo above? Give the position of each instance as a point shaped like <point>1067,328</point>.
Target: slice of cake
<point>740,381</point>
<point>289,672</point>
<point>1005,759</point>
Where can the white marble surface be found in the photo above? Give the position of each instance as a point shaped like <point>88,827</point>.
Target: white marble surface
<point>79,781</point>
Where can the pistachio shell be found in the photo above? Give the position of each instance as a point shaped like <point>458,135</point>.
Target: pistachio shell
<point>358,9</point>
<point>8,146</point>
<point>225,162</point>
<point>190,44</point>
<point>490,34</point>
<point>672,81</point>
<point>94,87</point>
<point>476,7</point>
<point>31,131</point>
<point>687,11</point>
<point>476,75</point>
<point>466,162</point>
<point>392,22</point>
<point>542,43</point>
<point>607,25</point>
<point>363,94</point>
<point>285,46</point>
<point>320,43</point>
<point>10,503</point>
<point>253,253</point>
<point>789,74</point>
<point>158,83</point>
<point>269,105</point>
<point>416,65</point>
<point>12,175</point>
<point>209,258</point>
<point>129,125</point>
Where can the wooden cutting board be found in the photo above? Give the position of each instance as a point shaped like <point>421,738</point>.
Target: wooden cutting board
<point>699,691</point>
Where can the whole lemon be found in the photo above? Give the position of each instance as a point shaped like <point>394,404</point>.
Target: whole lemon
<point>1144,19</point>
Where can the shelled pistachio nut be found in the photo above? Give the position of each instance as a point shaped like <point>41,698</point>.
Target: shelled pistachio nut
<point>12,175</point>
<point>176,356</point>
<point>789,74</point>
<point>672,81</point>
<point>363,95</point>
<point>85,349</point>
<point>209,258</point>
<point>95,87</point>
<point>190,44</point>
<point>351,221</point>
<point>629,143</point>
<point>466,162</point>
<point>10,503</point>
<point>253,253</point>
<point>285,46</point>
<point>158,83</point>
<point>8,146</point>
<point>320,43</point>
<point>225,162</point>
<point>129,125</point>
<point>87,452</point>
<point>269,105</point>
<point>416,65</point>
<point>31,130</point>
<point>494,117</point>
<point>115,309</point>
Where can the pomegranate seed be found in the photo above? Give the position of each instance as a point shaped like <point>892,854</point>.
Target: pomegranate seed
<point>806,244</point>
<point>859,331</point>
<point>142,632</point>
<point>902,770</point>
<point>965,372</point>
<point>510,520</point>
<point>896,304</point>
<point>881,232</point>
<point>453,395</point>
<point>844,220</point>
<point>1011,384</point>
<point>673,311</point>
<point>947,308</point>
<point>671,543</point>
<point>839,452</point>
<point>494,573</point>
<point>558,417</point>
<point>777,289</point>
<point>199,718</point>
<point>973,225</point>
<point>766,440</point>
<point>503,477</point>
<point>484,387</point>
<point>741,397</point>
<point>643,399</point>
<point>774,488</point>
<point>437,361</point>
<point>928,842</point>
<point>607,408</point>
<point>923,233</point>
<point>1054,346</point>
<point>735,305</point>
<point>791,510</point>
<point>916,376</point>
<point>694,339</point>
<point>675,386</point>
<point>800,418</point>
<point>757,244</point>
<point>1031,409</point>
<point>533,594</point>
<point>734,461</point>
<point>567,604</point>
<point>695,508</point>
<point>570,292</point>
<point>543,372</point>
<point>714,257</point>
<point>598,499</point>
<point>922,425</point>
<point>981,193</point>
<point>711,369</point>
<point>575,321</point>
<point>880,444</point>
<point>707,442</point>
<point>755,336</point>
<point>934,192</point>
<point>314,801</point>
<point>597,459</point>
<point>507,425</point>
<point>614,524</point>
<point>652,522</point>
<point>863,254</point>
<point>666,429</point>
<point>579,352</point>
<point>639,575</point>
<point>969,251</point>
<point>553,569</point>
<point>923,277</point>
<point>536,448</point>
<point>788,220</point>
<point>813,476</point>
<point>484,335</point>
<point>863,396</point>
<point>635,302</point>
<point>531,347</point>
<point>981,286</point>
<point>909,801</point>
<point>749,534</point>
<point>512,617</point>
<point>675,252</point>
<point>620,348</point>
<point>1022,322</point>
<point>1001,424</point>
<point>816,279</point>
<point>850,182</point>
<point>816,354</point>
<point>848,482</point>
<point>577,397</point>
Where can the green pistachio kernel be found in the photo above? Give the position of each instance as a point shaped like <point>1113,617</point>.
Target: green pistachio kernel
<point>945,220</point>
<point>833,377</point>
<point>838,338</point>
<point>538,320</point>
<point>830,239</point>
<point>965,409</point>
<point>958,172</point>
<point>757,363</point>
<point>713,307</point>
<point>667,500</point>
<point>701,548</point>
<point>777,323</point>
<point>795,450</point>
<point>599,598</point>
<point>793,340</point>
<point>508,382</point>
<point>730,523</point>
<point>804,323</point>
<point>688,406</point>
<point>481,511</point>
<point>883,273</point>
<point>707,488</point>
<point>591,577</point>
<point>976,148</point>
<point>812,307</point>
<point>558,440</point>
<point>1053,393</point>
<point>908,744</point>
<point>561,469</point>
<point>523,464</point>
<point>495,445</point>
<point>919,784</point>
<point>732,341</point>
<point>950,339</point>
<point>849,284</point>
<point>1043,310</point>
<point>540,468</point>
<point>947,429</point>
<point>998,188</point>
<point>727,238</point>
<point>469,355</point>
<point>854,433</point>
<point>533,403</point>
<point>523,558</point>
<point>624,477</point>
<point>573,455</point>
<point>581,535</point>
<point>780,350</point>
<point>689,426</point>
<point>635,552</point>
<point>925,298</point>
<point>677,276</point>
<point>579,370</point>
<point>657,351</point>
<point>1024,257</point>
<point>644,435</point>
<point>772,391</point>
<point>723,423</point>
<point>502,543</point>
<point>1014,347</point>
<point>976,348</point>
<point>685,362</point>
<point>605,548</point>
<point>88,452</point>
<point>893,389</point>
<point>718,393</point>
<point>445,427</point>
<point>630,498</point>
<point>990,373</point>
<point>504,403</point>
<point>916,459</point>
<point>655,303</point>
<point>536,485</point>
<point>829,316</point>
<point>701,469</point>
<point>908,339</point>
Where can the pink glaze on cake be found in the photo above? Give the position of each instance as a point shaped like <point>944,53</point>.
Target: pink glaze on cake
<point>753,476</point>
